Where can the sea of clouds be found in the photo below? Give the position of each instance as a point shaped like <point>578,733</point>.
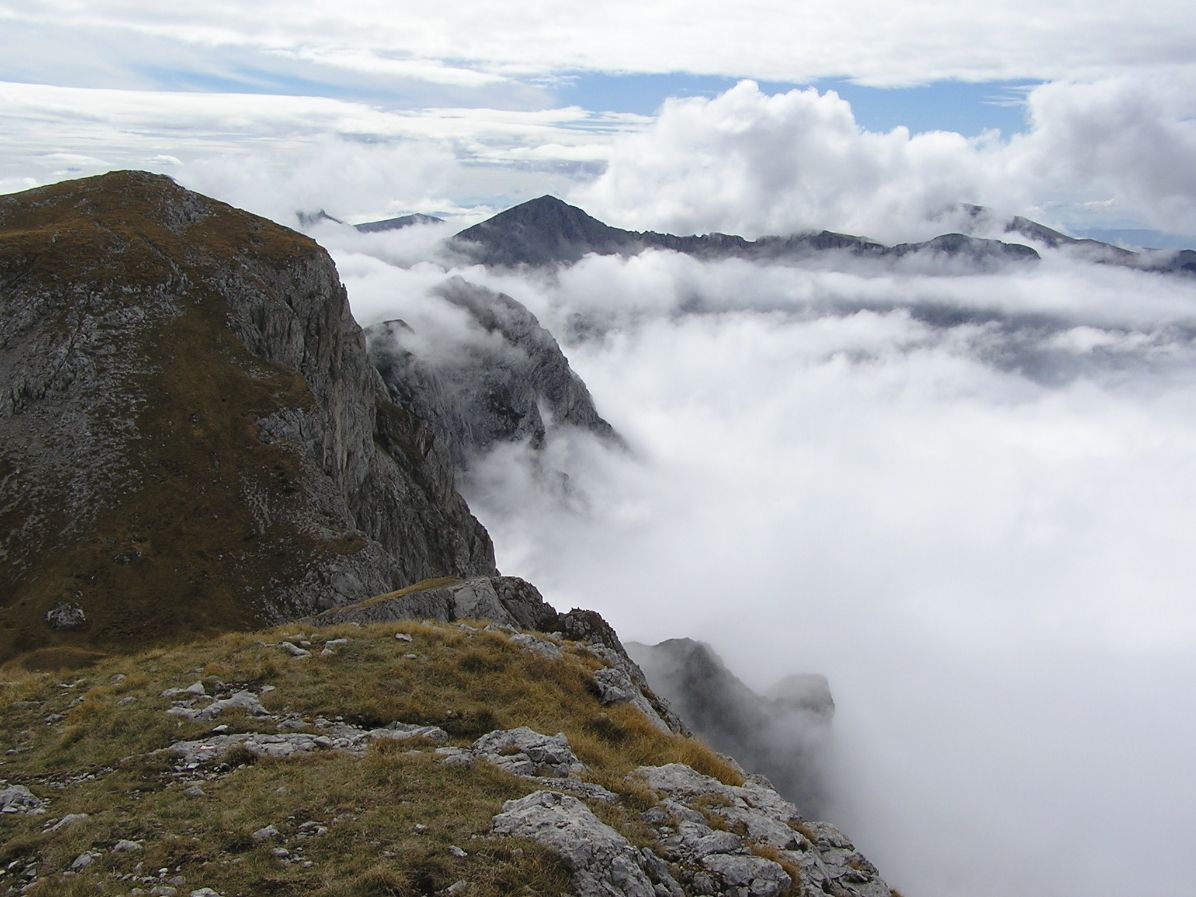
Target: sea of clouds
<point>966,498</point>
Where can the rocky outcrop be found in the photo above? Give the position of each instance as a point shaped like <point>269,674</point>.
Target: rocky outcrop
<point>782,734</point>
<point>505,600</point>
<point>192,436</point>
<point>748,840</point>
<point>707,837</point>
<point>503,378</point>
<point>546,231</point>
<point>603,862</point>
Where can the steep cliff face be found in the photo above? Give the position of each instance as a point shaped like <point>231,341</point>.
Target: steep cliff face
<point>192,436</point>
<point>502,379</point>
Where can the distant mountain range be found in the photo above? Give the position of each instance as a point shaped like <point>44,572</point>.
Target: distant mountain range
<point>548,231</point>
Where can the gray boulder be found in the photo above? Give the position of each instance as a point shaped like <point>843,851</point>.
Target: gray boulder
<point>525,752</point>
<point>714,834</point>
<point>19,799</point>
<point>603,862</point>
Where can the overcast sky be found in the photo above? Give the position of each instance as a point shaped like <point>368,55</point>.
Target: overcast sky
<point>858,114</point>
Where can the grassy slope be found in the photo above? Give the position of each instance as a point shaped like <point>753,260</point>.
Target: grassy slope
<point>466,681</point>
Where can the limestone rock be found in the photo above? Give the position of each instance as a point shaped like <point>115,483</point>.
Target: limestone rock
<point>241,700</point>
<point>19,799</point>
<point>280,482</point>
<point>408,732</point>
<point>67,821</point>
<point>616,687</point>
<point>751,816</point>
<point>526,752</point>
<point>335,736</point>
<point>82,861</point>
<point>538,646</point>
<point>750,875</point>
<point>602,861</point>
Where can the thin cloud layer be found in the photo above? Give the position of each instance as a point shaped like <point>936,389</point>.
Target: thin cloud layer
<point>963,498</point>
<point>362,159</point>
<point>751,163</point>
<point>767,39</point>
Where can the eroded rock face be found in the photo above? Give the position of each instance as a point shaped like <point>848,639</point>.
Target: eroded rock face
<point>192,435</point>
<point>782,734</point>
<point>504,378</point>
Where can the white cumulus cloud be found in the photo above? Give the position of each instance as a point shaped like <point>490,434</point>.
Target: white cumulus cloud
<point>752,163</point>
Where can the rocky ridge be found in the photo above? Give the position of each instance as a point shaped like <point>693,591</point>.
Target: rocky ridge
<point>191,433</point>
<point>546,231</point>
<point>489,799</point>
<point>503,380</point>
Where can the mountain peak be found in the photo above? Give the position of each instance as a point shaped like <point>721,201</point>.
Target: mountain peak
<point>541,231</point>
<point>192,436</point>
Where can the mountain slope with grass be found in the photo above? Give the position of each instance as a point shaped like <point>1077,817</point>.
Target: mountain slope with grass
<point>395,758</point>
<point>192,436</point>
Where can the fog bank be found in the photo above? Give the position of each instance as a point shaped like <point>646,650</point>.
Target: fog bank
<point>966,499</point>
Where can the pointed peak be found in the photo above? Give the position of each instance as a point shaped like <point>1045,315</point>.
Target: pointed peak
<point>546,206</point>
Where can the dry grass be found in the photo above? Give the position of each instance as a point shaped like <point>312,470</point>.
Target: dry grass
<point>464,680</point>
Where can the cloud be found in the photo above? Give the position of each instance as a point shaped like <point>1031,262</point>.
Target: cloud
<point>858,39</point>
<point>358,159</point>
<point>752,163</point>
<point>974,523</point>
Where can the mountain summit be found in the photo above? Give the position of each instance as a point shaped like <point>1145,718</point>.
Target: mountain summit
<point>544,231</point>
<point>192,436</point>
